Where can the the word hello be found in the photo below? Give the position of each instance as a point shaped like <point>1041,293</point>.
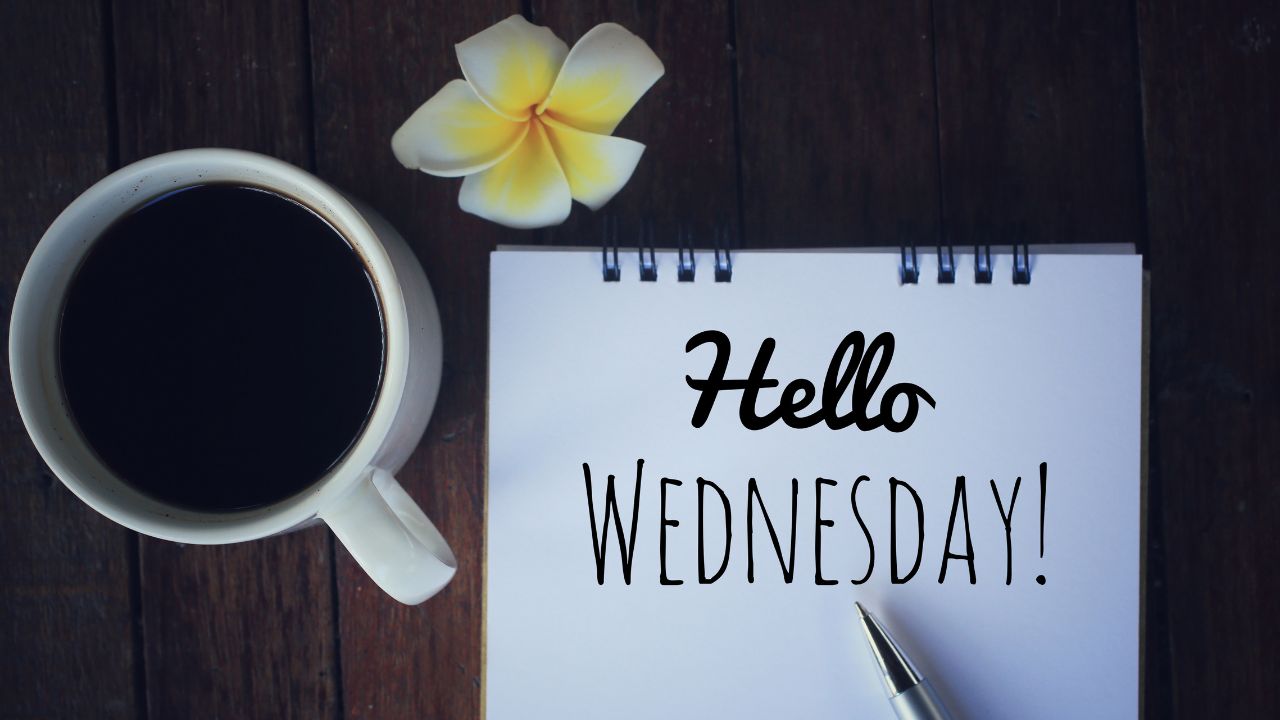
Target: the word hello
<point>864,369</point>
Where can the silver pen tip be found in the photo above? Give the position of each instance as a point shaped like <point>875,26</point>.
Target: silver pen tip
<point>896,670</point>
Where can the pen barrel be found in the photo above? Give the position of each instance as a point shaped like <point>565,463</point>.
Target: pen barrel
<point>919,702</point>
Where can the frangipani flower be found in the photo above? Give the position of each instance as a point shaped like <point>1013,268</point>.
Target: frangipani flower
<point>531,126</point>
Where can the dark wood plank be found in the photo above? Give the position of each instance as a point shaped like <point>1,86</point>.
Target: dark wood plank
<point>242,630</point>
<point>374,64</point>
<point>838,133</point>
<point>1211,92</point>
<point>196,74</point>
<point>66,622</point>
<point>688,175</point>
<point>1038,122</point>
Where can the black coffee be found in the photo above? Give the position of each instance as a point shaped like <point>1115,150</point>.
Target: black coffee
<point>221,347</point>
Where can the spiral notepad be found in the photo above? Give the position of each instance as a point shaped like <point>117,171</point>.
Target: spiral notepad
<point>699,460</point>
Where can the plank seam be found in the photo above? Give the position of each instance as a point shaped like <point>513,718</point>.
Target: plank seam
<point>313,134</point>
<point>737,123</point>
<point>142,703</point>
<point>110,88</point>
<point>137,630</point>
<point>944,233</point>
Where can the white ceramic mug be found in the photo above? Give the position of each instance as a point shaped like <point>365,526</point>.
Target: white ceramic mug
<point>359,498</point>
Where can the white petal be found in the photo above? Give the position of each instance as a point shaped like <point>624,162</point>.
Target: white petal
<point>526,190</point>
<point>512,65</point>
<point>605,74</point>
<point>455,134</point>
<point>596,166</point>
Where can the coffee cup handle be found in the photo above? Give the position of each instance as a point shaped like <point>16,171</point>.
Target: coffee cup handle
<point>392,539</point>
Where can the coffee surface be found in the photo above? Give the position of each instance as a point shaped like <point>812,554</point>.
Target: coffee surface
<point>221,347</point>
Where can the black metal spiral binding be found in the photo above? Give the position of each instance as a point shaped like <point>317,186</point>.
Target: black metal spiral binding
<point>909,271</point>
<point>982,264</point>
<point>724,267</point>
<point>983,269</point>
<point>686,266</point>
<point>612,270</point>
<point>946,265</point>
<point>648,266</point>
<point>1022,265</point>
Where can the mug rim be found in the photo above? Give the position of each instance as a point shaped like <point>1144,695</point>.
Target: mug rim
<point>38,390</point>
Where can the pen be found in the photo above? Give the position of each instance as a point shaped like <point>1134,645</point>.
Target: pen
<point>910,694</point>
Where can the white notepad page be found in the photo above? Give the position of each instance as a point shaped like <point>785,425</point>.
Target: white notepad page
<point>586,371</point>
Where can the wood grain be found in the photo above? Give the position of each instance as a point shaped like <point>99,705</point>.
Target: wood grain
<point>1211,91</point>
<point>375,63</point>
<point>241,630</point>
<point>66,618</point>
<point>1039,122</point>
<point>1071,121</point>
<point>688,175</point>
<point>839,136</point>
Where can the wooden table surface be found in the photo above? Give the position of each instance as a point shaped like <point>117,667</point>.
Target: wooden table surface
<point>792,124</point>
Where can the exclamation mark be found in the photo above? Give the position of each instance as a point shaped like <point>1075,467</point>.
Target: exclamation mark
<point>1044,484</point>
